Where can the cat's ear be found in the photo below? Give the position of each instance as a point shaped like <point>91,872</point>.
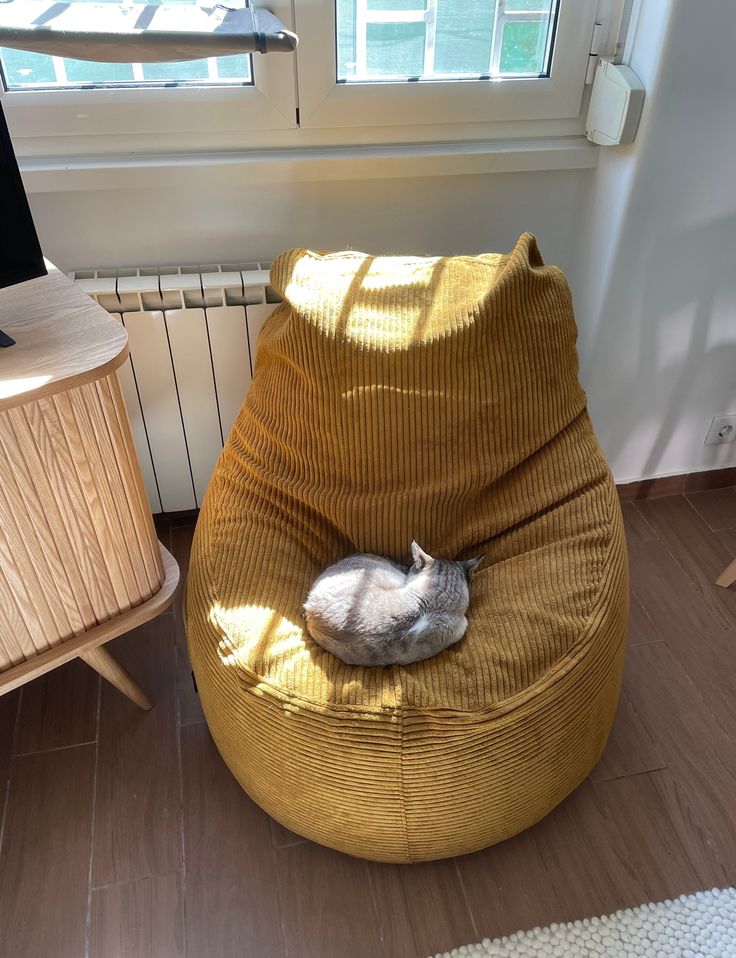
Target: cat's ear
<point>470,565</point>
<point>421,558</point>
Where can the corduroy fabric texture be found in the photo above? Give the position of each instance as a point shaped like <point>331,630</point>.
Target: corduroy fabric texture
<point>392,399</point>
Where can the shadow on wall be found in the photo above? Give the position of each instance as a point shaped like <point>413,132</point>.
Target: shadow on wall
<point>680,364</point>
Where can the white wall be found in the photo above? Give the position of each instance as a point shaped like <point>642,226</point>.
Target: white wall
<point>648,239</point>
<point>212,219</point>
<point>655,273</point>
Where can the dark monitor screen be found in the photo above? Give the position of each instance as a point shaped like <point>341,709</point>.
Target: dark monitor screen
<point>20,253</point>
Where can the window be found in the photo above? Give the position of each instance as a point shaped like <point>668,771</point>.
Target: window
<point>377,70</point>
<point>21,70</point>
<point>409,62</point>
<point>379,40</point>
<point>35,71</point>
<point>190,104</point>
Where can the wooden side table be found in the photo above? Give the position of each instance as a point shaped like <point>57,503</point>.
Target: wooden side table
<point>79,559</point>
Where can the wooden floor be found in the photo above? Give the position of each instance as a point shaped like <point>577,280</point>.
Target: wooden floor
<point>123,834</point>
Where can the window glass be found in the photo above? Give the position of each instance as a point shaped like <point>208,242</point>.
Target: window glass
<point>443,39</point>
<point>29,71</point>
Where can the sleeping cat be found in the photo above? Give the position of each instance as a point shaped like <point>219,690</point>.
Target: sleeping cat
<point>371,611</point>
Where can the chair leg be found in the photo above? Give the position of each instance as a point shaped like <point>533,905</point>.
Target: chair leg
<point>728,576</point>
<point>101,661</point>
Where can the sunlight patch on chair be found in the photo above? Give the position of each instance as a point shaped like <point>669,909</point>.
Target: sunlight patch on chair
<point>384,273</point>
<point>365,323</point>
<point>254,632</point>
<point>346,295</point>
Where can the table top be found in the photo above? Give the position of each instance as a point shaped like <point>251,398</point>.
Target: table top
<point>63,339</point>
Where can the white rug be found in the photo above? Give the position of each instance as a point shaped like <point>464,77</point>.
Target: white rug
<point>692,926</point>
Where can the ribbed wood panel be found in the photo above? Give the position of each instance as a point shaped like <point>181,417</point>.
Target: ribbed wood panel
<point>77,542</point>
<point>394,399</point>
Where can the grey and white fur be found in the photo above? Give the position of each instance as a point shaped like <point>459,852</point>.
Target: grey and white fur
<point>368,610</point>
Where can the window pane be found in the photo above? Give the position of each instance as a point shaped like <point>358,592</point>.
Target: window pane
<point>522,48</point>
<point>25,71</point>
<point>83,71</point>
<point>395,5</point>
<point>538,6</point>
<point>173,72</point>
<point>21,68</point>
<point>394,49</point>
<point>463,41</point>
<point>442,39</point>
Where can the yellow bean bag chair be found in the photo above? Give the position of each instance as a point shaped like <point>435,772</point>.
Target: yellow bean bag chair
<point>393,399</point>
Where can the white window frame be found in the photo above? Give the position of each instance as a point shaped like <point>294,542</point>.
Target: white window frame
<point>325,103</point>
<point>296,105</point>
<point>269,103</point>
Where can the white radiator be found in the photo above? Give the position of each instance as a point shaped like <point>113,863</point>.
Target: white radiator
<point>192,333</point>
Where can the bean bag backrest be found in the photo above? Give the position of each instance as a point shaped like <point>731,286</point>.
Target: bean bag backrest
<point>416,398</point>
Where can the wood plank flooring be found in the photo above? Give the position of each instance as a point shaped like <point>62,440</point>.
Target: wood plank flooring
<point>123,835</point>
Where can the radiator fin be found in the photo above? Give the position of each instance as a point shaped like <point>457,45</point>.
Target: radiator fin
<point>154,373</point>
<point>230,349</point>
<point>190,353</point>
<point>138,428</point>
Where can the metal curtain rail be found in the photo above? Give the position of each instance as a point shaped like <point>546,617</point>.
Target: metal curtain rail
<point>141,33</point>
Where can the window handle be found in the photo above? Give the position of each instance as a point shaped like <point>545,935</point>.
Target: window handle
<point>141,33</point>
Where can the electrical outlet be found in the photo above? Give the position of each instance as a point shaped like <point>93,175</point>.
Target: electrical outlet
<point>722,429</point>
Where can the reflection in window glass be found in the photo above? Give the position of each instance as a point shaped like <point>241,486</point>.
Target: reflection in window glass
<point>522,47</point>
<point>443,39</point>
<point>29,71</point>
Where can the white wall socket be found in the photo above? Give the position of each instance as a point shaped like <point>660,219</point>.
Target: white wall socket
<point>722,429</point>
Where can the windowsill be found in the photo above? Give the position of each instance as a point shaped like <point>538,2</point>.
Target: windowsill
<point>43,174</point>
